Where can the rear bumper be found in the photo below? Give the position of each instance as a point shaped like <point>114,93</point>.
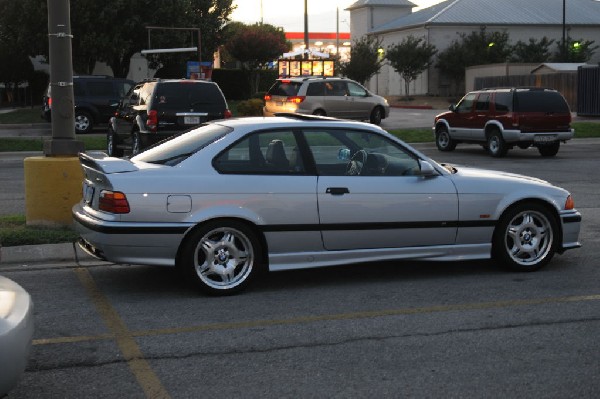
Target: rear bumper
<point>516,136</point>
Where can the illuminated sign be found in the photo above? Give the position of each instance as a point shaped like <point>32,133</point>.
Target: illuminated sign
<point>288,68</point>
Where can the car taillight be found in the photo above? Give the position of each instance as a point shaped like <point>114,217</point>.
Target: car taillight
<point>49,102</point>
<point>113,202</point>
<point>295,99</point>
<point>268,97</point>
<point>152,121</point>
<point>227,114</point>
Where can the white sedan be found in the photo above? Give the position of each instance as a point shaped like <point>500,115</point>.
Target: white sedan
<point>16,331</point>
<point>235,196</point>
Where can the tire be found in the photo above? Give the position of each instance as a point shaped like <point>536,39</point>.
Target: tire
<point>376,116</point>
<point>83,122</point>
<point>111,145</point>
<point>496,146</point>
<point>443,140</point>
<point>136,143</point>
<point>221,257</point>
<point>526,238</point>
<point>319,112</point>
<point>549,150</point>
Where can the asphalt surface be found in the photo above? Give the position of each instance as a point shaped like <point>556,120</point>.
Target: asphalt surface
<point>384,330</point>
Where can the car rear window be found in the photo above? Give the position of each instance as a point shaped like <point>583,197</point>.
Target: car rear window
<point>540,101</point>
<point>285,88</point>
<point>178,148</point>
<point>187,95</point>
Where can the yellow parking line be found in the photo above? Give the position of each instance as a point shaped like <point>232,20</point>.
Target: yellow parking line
<point>144,374</point>
<point>327,317</point>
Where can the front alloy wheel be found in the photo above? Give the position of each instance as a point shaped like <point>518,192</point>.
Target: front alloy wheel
<point>221,258</point>
<point>525,239</point>
<point>443,140</point>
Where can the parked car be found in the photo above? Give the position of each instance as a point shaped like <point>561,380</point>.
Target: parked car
<point>500,119</point>
<point>157,109</point>
<point>16,332</point>
<point>325,96</point>
<point>96,98</point>
<point>237,196</point>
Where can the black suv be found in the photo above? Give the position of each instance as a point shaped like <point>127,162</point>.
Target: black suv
<point>96,98</point>
<point>500,119</point>
<point>157,109</point>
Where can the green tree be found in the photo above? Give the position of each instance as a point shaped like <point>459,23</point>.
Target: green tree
<point>113,30</point>
<point>410,58</point>
<point>575,50</point>
<point>255,46</point>
<point>365,59</point>
<point>478,48</point>
<point>533,51</point>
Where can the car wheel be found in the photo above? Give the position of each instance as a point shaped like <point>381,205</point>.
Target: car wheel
<point>111,145</point>
<point>496,145</point>
<point>136,143</point>
<point>525,239</point>
<point>83,122</point>
<point>319,112</point>
<point>221,257</point>
<point>443,140</point>
<point>549,150</point>
<point>376,116</point>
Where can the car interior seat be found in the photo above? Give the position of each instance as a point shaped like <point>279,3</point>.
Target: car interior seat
<point>276,155</point>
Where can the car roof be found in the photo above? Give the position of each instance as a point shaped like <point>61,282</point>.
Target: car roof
<point>294,120</point>
<point>312,78</point>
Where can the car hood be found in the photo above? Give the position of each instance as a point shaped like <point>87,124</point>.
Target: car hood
<point>470,179</point>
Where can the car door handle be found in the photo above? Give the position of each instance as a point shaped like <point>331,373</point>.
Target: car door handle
<point>337,190</point>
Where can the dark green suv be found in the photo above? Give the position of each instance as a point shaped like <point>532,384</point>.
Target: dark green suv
<point>157,109</point>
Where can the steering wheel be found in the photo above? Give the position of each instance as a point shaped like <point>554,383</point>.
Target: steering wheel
<point>356,164</point>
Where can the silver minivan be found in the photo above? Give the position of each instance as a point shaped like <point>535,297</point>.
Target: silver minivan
<point>324,96</point>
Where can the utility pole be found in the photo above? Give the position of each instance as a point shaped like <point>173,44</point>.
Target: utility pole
<point>61,82</point>
<point>53,181</point>
<point>306,29</point>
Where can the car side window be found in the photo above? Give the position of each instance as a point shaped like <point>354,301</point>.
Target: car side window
<point>274,152</point>
<point>356,90</point>
<point>358,153</point>
<point>483,102</point>
<point>101,88</point>
<point>316,89</point>
<point>503,101</point>
<point>466,104</point>
<point>335,88</point>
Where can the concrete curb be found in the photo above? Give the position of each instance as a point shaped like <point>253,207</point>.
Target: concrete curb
<point>46,253</point>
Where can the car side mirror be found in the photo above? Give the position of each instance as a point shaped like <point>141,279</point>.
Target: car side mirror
<point>452,107</point>
<point>426,169</point>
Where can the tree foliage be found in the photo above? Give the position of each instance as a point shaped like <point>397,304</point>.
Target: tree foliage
<point>533,51</point>
<point>113,30</point>
<point>477,48</point>
<point>410,58</point>
<point>575,50</point>
<point>365,59</point>
<point>254,46</point>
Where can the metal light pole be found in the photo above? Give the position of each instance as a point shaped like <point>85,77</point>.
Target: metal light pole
<point>564,23</point>
<point>306,28</point>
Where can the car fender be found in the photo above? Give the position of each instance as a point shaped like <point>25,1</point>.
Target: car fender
<point>519,196</point>
<point>493,124</point>
<point>442,122</point>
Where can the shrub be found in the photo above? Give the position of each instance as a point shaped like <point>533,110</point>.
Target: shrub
<point>252,107</point>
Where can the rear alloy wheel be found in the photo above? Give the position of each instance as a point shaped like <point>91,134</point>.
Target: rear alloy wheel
<point>443,140</point>
<point>525,238</point>
<point>549,150</point>
<point>221,257</point>
<point>496,146</point>
<point>376,116</point>
<point>83,122</point>
<point>111,145</point>
<point>136,143</point>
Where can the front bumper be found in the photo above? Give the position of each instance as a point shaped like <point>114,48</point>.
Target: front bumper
<point>571,225</point>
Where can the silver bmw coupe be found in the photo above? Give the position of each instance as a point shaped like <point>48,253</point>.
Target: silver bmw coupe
<point>237,196</point>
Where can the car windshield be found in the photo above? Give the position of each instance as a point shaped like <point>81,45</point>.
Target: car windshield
<point>179,148</point>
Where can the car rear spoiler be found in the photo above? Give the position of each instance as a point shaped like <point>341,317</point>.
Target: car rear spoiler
<point>101,162</point>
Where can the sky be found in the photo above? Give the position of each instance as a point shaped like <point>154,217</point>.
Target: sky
<point>289,14</point>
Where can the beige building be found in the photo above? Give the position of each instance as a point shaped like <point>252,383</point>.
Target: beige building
<point>394,20</point>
